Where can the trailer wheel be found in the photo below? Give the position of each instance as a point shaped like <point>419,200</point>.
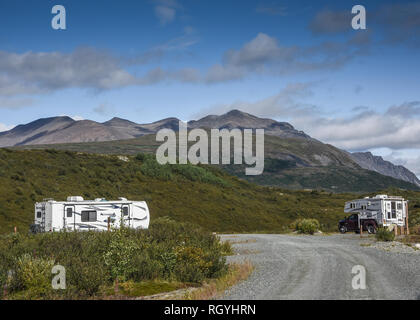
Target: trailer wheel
<point>342,229</point>
<point>371,229</point>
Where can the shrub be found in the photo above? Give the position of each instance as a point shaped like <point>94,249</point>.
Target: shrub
<point>146,268</point>
<point>143,157</point>
<point>152,168</point>
<point>192,265</point>
<point>383,234</point>
<point>85,278</point>
<point>120,253</point>
<point>167,251</point>
<point>196,173</point>
<point>33,275</point>
<point>307,226</point>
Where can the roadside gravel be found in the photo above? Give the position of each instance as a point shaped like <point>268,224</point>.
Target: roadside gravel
<point>320,267</point>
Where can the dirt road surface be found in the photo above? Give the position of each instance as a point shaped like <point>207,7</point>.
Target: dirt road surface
<point>320,267</point>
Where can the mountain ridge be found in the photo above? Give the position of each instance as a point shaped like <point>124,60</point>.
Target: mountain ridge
<point>376,163</point>
<point>76,131</point>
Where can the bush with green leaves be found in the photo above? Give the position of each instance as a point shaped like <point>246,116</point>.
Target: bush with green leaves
<point>33,276</point>
<point>120,253</point>
<point>168,251</point>
<point>384,234</point>
<point>307,226</point>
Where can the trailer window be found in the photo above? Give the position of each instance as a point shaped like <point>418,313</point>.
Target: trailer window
<point>125,211</point>
<point>39,214</point>
<point>69,212</point>
<point>399,206</point>
<point>89,216</point>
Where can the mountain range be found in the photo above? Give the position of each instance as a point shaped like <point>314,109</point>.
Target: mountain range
<point>66,130</point>
<point>293,158</point>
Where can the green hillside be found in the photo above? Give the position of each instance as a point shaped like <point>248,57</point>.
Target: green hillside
<point>206,196</point>
<point>332,178</point>
<point>291,163</point>
<point>202,195</point>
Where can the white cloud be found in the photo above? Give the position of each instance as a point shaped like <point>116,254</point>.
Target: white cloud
<point>283,105</point>
<point>264,54</point>
<point>76,117</point>
<point>5,127</point>
<point>367,130</point>
<point>397,128</point>
<point>29,73</point>
<point>34,72</point>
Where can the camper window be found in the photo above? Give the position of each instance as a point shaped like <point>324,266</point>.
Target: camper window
<point>394,213</point>
<point>125,211</point>
<point>39,214</point>
<point>69,212</point>
<point>399,206</point>
<point>89,216</point>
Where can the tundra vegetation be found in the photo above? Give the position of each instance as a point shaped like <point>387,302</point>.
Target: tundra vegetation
<point>167,256</point>
<point>204,195</point>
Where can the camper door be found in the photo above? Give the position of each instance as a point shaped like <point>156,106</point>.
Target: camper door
<point>69,217</point>
<point>394,212</point>
<point>126,215</point>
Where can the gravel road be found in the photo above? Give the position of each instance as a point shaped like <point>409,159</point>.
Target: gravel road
<point>320,267</point>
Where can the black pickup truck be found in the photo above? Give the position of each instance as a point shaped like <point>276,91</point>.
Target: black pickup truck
<point>352,224</point>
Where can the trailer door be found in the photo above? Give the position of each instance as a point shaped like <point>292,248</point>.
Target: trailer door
<point>69,218</point>
<point>126,215</point>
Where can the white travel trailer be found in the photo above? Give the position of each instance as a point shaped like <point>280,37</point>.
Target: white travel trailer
<point>370,213</point>
<point>99,214</point>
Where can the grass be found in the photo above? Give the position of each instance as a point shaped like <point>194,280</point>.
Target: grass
<point>141,289</point>
<point>216,287</point>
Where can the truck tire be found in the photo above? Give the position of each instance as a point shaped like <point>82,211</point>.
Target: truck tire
<point>371,229</point>
<point>342,229</point>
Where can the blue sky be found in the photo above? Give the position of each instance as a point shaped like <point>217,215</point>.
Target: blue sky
<point>296,61</point>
